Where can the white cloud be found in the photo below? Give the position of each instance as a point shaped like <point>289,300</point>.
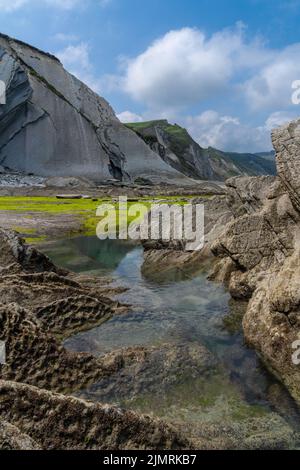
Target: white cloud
<point>128,116</point>
<point>76,56</point>
<point>279,118</point>
<point>11,5</point>
<point>63,4</point>
<point>76,60</point>
<point>185,67</point>
<point>210,129</point>
<point>271,87</point>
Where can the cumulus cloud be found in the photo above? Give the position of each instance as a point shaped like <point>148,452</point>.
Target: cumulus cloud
<point>279,118</point>
<point>185,67</point>
<point>210,129</point>
<point>76,59</point>
<point>128,116</point>
<point>271,86</point>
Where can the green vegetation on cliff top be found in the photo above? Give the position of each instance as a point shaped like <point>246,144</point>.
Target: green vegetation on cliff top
<point>178,140</point>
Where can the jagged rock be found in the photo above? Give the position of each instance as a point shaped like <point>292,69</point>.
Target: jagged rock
<point>263,245</point>
<point>57,422</point>
<point>40,306</point>
<point>246,195</point>
<point>11,438</point>
<point>169,257</point>
<point>79,134</point>
<point>35,356</point>
<point>286,141</point>
<point>15,255</point>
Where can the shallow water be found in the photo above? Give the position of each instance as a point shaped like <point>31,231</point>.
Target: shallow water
<point>187,312</point>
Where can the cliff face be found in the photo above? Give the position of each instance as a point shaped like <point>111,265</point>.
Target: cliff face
<point>176,147</point>
<point>53,124</point>
<point>259,254</point>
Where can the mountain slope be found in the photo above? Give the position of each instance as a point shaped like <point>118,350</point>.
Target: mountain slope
<point>176,147</point>
<point>54,125</point>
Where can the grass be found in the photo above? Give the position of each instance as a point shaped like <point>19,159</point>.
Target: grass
<point>144,125</point>
<point>178,136</point>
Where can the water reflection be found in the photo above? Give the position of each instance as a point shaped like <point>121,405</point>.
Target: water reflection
<point>177,319</point>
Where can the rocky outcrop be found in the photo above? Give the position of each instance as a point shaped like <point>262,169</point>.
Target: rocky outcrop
<point>54,125</point>
<point>16,256</point>
<point>41,305</point>
<point>58,422</point>
<point>11,438</point>
<point>177,148</point>
<point>261,246</point>
<point>170,258</point>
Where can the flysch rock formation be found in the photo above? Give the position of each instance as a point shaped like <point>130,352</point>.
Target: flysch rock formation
<point>254,234</point>
<point>54,125</point>
<point>259,257</point>
<point>42,305</point>
<point>170,258</point>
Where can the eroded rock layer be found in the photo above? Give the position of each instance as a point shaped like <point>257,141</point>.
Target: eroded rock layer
<point>54,125</point>
<point>260,247</point>
<point>41,305</point>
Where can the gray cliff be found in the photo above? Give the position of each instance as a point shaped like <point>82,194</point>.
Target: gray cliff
<point>52,124</point>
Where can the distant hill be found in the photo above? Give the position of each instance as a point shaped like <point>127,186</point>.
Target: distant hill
<point>267,155</point>
<point>177,148</point>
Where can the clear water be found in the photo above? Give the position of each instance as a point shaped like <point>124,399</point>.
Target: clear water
<point>184,312</point>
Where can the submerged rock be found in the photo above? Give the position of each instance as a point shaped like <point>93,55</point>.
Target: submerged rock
<point>158,369</point>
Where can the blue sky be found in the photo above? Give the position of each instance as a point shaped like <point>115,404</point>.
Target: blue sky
<point>221,68</point>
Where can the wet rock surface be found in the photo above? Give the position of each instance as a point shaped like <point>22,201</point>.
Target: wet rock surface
<point>41,305</point>
<point>162,257</point>
<point>166,365</point>
<point>262,247</point>
<point>65,423</point>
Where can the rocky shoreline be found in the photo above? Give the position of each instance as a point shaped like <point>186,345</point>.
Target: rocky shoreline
<point>260,250</point>
<point>41,306</point>
<point>255,241</point>
<point>252,240</point>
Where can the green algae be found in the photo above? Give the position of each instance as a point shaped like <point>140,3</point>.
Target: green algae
<point>82,209</point>
<point>205,399</point>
